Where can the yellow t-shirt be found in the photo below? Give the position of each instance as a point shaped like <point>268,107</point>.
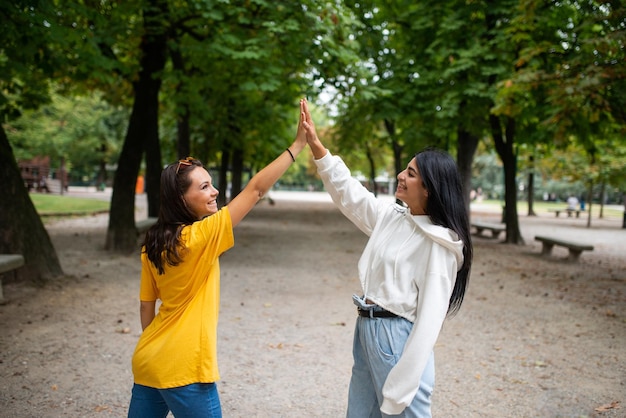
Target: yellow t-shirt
<point>179,347</point>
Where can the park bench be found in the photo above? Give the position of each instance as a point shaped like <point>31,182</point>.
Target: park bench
<point>575,248</point>
<point>145,224</point>
<point>495,229</point>
<point>9,262</point>
<point>570,212</point>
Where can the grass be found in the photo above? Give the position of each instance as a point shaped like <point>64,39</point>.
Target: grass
<point>56,205</point>
<point>610,211</point>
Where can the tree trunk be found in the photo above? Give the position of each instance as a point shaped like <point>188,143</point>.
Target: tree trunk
<point>183,141</point>
<point>531,187</point>
<point>466,147</point>
<point>397,150</point>
<point>624,216</point>
<point>102,172</point>
<point>236,173</point>
<point>183,135</point>
<point>21,229</point>
<point>530,197</point>
<point>62,177</point>
<point>504,146</point>
<point>142,132</point>
<point>223,181</point>
<point>602,198</point>
<point>154,165</point>
<point>372,166</point>
<point>589,203</point>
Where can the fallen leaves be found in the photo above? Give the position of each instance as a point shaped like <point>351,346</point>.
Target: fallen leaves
<point>608,407</point>
<point>280,346</point>
<point>102,408</point>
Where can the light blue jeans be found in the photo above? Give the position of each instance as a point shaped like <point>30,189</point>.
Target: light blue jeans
<point>198,400</point>
<point>378,344</point>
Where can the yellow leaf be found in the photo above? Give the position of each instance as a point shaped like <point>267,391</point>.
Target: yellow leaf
<point>608,407</point>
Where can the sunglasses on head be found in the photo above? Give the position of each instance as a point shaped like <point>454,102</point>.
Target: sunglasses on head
<point>186,162</point>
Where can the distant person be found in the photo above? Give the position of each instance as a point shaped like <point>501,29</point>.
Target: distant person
<point>175,361</point>
<point>413,271</point>
<point>582,203</point>
<point>43,185</point>
<point>572,202</point>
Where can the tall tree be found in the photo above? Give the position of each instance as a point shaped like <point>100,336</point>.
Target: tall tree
<point>142,134</point>
<point>440,82</point>
<point>573,60</point>
<point>237,73</point>
<point>26,64</point>
<point>21,229</point>
<point>504,126</point>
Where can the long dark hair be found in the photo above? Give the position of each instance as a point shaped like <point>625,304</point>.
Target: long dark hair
<point>446,207</point>
<point>162,241</point>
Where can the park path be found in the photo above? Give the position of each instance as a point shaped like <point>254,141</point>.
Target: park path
<point>535,337</point>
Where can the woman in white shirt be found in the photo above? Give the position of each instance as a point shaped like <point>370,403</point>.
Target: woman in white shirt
<point>413,271</point>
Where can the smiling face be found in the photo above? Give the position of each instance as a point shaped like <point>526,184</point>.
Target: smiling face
<point>411,189</point>
<point>201,197</point>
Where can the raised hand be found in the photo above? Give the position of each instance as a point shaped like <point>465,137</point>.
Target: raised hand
<point>307,122</point>
<point>314,142</point>
<point>301,134</point>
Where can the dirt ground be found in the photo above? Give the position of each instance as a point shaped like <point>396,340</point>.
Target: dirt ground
<point>536,336</point>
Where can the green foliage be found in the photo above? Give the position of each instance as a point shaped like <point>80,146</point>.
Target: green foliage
<point>572,58</point>
<point>85,131</point>
<point>237,70</point>
<point>487,175</point>
<point>26,61</point>
<point>406,75</point>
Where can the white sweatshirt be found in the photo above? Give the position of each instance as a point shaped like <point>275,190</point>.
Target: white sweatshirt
<point>408,267</point>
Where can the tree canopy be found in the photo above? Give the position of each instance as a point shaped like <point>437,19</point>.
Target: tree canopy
<point>143,82</point>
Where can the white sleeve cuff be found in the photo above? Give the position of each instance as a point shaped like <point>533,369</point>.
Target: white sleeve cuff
<point>391,408</point>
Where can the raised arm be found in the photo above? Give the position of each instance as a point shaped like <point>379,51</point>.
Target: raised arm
<point>318,149</point>
<point>265,179</point>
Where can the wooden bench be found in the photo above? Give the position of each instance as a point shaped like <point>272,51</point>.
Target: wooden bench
<point>9,262</point>
<point>145,224</point>
<point>568,211</point>
<point>495,229</point>
<point>575,248</point>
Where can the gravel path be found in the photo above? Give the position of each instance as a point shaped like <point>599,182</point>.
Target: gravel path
<point>536,337</point>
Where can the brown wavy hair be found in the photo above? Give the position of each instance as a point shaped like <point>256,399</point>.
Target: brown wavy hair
<point>162,242</point>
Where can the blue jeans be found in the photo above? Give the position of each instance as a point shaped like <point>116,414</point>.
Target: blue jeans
<point>378,344</point>
<point>198,400</point>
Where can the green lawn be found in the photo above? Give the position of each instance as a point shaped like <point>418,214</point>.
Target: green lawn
<point>51,205</point>
<point>543,207</point>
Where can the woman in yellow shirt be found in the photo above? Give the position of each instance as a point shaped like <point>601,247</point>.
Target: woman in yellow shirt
<point>175,361</point>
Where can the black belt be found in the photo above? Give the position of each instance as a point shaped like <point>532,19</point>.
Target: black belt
<point>370,313</point>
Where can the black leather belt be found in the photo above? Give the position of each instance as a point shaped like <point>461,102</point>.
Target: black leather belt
<point>370,313</point>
